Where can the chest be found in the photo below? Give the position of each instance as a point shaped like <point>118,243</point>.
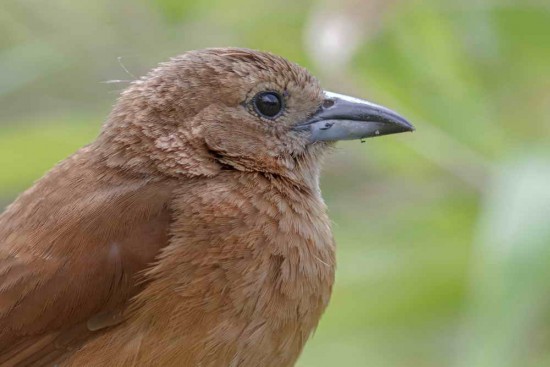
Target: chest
<point>267,260</point>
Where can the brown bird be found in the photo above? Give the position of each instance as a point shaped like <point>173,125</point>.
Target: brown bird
<point>192,231</point>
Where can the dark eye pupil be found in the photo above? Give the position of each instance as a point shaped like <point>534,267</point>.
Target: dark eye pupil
<point>268,104</point>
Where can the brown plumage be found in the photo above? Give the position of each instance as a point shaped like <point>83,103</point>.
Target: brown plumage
<point>191,232</point>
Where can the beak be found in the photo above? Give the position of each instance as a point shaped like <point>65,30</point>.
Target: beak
<point>347,118</point>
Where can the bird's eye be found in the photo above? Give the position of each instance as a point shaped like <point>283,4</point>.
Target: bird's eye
<point>268,104</point>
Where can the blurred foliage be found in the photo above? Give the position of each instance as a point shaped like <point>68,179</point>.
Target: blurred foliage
<point>443,242</point>
<point>26,152</point>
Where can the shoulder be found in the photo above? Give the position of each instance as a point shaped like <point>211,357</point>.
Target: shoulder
<point>71,245</point>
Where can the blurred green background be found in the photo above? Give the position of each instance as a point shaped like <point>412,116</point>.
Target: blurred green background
<point>443,235</point>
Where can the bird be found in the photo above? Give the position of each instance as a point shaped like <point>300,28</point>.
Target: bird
<point>192,230</point>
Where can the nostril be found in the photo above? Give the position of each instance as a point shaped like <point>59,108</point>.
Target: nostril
<point>328,103</point>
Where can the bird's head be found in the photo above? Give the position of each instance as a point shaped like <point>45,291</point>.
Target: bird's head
<point>230,108</point>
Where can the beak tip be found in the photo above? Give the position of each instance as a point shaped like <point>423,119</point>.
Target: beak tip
<point>408,127</point>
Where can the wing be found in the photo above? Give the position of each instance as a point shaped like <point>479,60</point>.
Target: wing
<point>70,249</point>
